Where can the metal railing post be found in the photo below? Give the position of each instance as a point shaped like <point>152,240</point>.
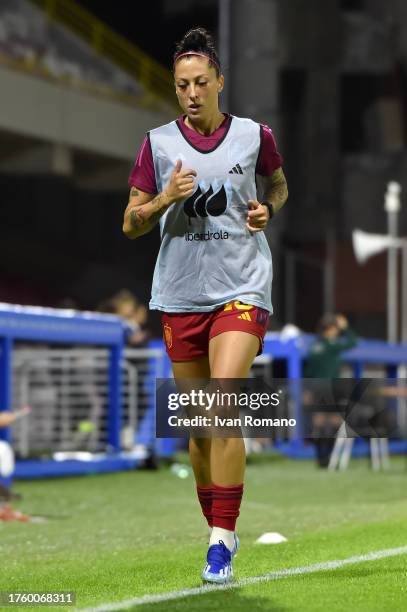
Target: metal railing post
<point>115,404</point>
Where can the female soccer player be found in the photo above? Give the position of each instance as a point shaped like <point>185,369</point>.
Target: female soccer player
<point>196,176</point>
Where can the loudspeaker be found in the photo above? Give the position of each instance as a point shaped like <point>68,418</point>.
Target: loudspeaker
<point>366,245</point>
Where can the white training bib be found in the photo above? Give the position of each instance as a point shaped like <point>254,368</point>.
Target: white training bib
<point>207,256</point>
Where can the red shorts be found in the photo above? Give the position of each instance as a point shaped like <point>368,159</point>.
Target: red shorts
<point>187,335</point>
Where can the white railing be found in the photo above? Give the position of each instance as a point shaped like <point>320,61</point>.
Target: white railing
<point>67,389</point>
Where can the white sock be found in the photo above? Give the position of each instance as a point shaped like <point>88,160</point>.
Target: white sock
<point>228,537</point>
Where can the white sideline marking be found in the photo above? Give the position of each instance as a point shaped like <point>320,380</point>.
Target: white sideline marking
<point>292,571</point>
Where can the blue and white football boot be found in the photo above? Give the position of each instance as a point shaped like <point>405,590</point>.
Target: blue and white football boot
<point>218,568</point>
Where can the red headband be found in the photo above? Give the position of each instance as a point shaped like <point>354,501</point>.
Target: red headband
<point>197,53</point>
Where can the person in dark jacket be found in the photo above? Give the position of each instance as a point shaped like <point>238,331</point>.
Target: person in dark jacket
<point>334,336</point>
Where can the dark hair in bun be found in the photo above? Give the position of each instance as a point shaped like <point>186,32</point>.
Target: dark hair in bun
<point>199,40</point>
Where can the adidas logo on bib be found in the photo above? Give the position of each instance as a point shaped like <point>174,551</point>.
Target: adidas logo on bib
<point>236,170</point>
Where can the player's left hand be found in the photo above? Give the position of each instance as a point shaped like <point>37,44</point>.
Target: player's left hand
<point>257,216</point>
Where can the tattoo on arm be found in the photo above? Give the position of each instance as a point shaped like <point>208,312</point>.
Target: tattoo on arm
<point>136,217</point>
<point>156,216</point>
<point>277,192</point>
<point>134,192</point>
<point>148,215</point>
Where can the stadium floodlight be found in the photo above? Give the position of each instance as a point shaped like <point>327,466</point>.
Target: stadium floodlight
<point>365,245</point>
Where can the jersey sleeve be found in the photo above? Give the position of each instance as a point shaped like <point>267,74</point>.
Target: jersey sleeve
<point>142,175</point>
<point>269,158</point>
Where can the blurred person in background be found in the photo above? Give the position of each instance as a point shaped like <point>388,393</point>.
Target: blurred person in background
<point>334,336</point>
<point>7,465</point>
<point>125,305</point>
<point>196,176</point>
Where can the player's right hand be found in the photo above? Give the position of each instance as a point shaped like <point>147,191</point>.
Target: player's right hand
<point>181,184</point>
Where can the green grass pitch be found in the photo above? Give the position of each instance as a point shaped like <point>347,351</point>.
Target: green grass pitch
<point>120,536</point>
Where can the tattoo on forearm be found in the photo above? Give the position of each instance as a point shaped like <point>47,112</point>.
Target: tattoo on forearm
<point>156,216</point>
<point>148,215</point>
<point>277,192</point>
<point>136,217</point>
